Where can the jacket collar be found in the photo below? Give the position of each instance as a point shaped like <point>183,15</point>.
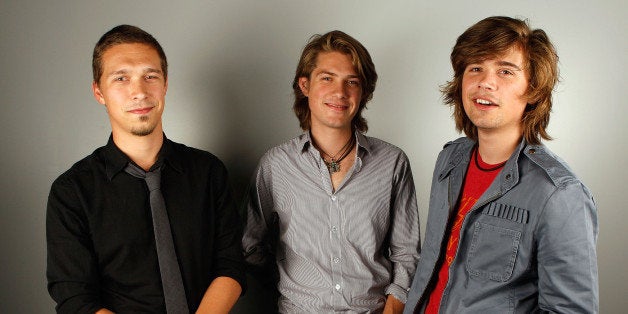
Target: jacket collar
<point>461,156</point>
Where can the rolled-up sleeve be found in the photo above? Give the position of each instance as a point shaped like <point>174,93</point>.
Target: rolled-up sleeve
<point>227,256</point>
<point>404,231</point>
<point>256,237</point>
<point>71,262</point>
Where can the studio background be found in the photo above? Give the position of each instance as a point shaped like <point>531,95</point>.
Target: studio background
<point>231,67</point>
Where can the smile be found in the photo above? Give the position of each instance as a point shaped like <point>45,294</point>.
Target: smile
<point>141,110</point>
<point>484,102</point>
<point>336,107</point>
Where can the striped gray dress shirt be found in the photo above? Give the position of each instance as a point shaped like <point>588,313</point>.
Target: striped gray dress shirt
<point>342,250</point>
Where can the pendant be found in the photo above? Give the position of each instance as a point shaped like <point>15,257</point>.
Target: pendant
<point>333,166</point>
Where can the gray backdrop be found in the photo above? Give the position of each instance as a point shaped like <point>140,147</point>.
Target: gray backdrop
<point>231,66</point>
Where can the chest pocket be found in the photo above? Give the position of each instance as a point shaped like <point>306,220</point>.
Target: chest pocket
<point>493,250</point>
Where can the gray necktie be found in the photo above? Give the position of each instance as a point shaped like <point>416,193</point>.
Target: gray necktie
<point>171,281</point>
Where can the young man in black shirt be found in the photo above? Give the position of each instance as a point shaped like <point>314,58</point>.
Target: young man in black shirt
<point>116,245</point>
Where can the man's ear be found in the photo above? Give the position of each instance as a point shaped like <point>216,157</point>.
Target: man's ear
<point>97,93</point>
<point>304,85</point>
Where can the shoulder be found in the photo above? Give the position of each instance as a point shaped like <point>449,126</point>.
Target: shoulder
<point>83,178</point>
<point>194,157</point>
<point>192,152</point>
<point>84,169</point>
<point>556,169</point>
<point>459,143</point>
<point>286,150</point>
<point>377,146</point>
<point>456,149</point>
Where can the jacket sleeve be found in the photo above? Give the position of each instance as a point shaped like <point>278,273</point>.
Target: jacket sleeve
<point>404,231</point>
<point>71,262</point>
<point>567,259</point>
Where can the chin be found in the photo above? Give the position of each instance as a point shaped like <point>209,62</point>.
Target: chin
<point>143,131</point>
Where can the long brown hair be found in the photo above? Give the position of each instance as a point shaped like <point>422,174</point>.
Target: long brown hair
<point>340,42</point>
<point>491,37</point>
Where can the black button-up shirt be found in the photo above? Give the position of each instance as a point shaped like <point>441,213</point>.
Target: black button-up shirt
<point>101,246</point>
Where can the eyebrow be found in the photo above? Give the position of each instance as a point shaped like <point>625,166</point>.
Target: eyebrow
<point>324,72</point>
<point>509,64</point>
<point>145,71</point>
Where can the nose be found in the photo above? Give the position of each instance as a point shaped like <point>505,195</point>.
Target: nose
<point>137,89</point>
<point>487,81</point>
<point>341,89</point>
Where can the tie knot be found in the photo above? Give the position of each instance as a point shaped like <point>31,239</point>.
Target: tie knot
<point>152,178</point>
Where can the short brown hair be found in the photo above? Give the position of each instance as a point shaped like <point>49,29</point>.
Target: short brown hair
<point>491,37</point>
<point>125,34</point>
<point>340,42</point>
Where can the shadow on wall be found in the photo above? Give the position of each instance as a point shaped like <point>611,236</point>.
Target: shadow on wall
<point>247,116</point>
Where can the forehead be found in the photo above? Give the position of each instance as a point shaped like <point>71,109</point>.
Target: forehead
<point>130,54</point>
<point>513,55</point>
<point>327,60</point>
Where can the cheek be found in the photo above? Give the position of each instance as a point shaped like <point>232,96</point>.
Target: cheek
<point>356,94</point>
<point>358,98</point>
<point>520,95</point>
<point>467,85</point>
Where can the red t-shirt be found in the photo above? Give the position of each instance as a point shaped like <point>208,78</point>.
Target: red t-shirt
<point>475,184</point>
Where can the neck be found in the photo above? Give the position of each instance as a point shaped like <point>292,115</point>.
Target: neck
<point>143,150</point>
<point>497,148</point>
<point>331,140</point>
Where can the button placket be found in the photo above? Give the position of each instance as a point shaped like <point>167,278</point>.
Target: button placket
<point>335,215</point>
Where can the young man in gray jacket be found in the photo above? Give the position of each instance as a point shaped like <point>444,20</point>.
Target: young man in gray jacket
<point>510,229</point>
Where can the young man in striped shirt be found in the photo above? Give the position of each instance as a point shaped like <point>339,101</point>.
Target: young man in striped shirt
<point>339,206</point>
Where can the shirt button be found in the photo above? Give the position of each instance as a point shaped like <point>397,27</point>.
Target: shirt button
<point>337,287</point>
<point>336,260</point>
<point>334,228</point>
<point>333,197</point>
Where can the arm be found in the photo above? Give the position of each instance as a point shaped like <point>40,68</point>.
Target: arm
<point>393,306</point>
<point>404,231</point>
<point>567,259</point>
<point>229,278</point>
<point>220,297</point>
<point>72,270</point>
<point>261,223</point>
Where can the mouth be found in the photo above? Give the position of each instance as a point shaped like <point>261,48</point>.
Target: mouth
<point>484,103</point>
<point>141,111</point>
<point>336,107</point>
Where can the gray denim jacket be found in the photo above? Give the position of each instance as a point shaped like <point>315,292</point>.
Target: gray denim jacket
<point>527,246</point>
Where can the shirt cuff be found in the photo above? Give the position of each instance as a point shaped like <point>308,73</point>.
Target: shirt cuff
<point>398,292</point>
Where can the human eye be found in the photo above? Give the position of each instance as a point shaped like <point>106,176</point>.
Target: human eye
<point>353,83</point>
<point>119,78</point>
<point>153,76</point>
<point>326,78</point>
<point>474,69</point>
<point>508,72</point>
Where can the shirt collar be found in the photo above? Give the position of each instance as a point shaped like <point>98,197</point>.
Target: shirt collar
<point>305,140</point>
<point>116,160</point>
